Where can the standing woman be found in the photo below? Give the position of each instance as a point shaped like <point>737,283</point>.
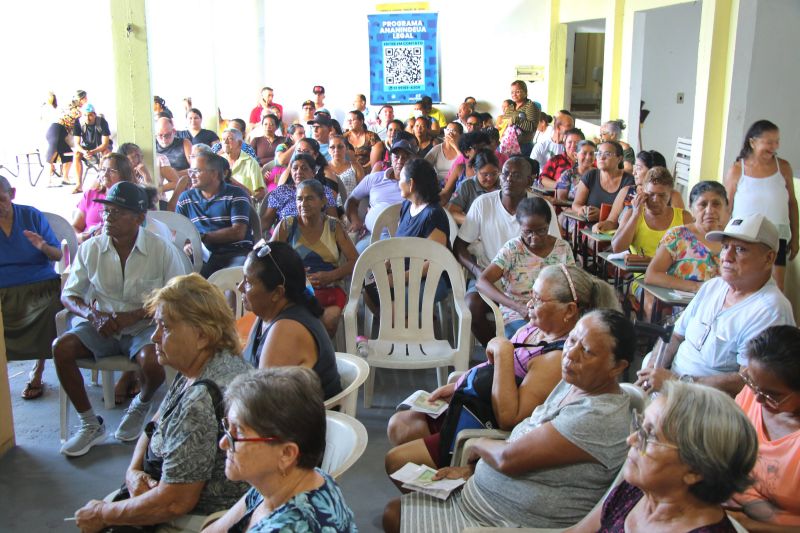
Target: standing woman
<point>761,182</point>
<point>160,109</point>
<point>367,145</point>
<point>58,135</point>
<point>196,133</point>
<point>612,131</point>
<point>524,115</point>
<point>320,240</point>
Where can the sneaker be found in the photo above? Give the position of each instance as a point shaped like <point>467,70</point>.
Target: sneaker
<point>87,436</point>
<point>130,427</point>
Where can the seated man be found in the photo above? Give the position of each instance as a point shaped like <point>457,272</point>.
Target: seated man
<point>382,188</point>
<point>245,170</point>
<point>709,342</point>
<point>92,139</point>
<point>112,275</point>
<point>239,125</point>
<point>173,153</point>
<point>321,126</point>
<point>220,212</point>
<point>490,223</point>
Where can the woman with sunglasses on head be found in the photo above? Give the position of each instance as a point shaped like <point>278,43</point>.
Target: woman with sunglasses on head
<point>88,214</point>
<point>771,400</point>
<point>557,463</point>
<point>519,375</point>
<point>278,456</point>
<point>520,260</point>
<point>366,144</point>
<point>349,172</point>
<point>602,184</point>
<point>288,330</point>
<point>177,474</point>
<point>321,242</point>
<point>690,451</point>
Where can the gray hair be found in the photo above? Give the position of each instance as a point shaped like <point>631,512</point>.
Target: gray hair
<point>293,397</point>
<point>714,438</point>
<point>202,148</point>
<point>5,185</point>
<point>591,292</point>
<point>615,127</point>
<point>237,135</point>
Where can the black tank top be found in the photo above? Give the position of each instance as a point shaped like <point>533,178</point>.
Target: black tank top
<point>326,356</point>
<point>175,154</point>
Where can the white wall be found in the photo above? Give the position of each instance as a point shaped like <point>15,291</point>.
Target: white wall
<point>669,66</point>
<point>478,49</point>
<point>766,75</point>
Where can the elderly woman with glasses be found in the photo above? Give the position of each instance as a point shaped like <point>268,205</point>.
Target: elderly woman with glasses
<point>690,452</point>
<point>557,463</point>
<point>771,400</point>
<point>177,475</point>
<point>288,330</point>
<point>278,454</point>
<point>602,184</point>
<point>518,377</point>
<point>518,263</point>
<point>88,218</point>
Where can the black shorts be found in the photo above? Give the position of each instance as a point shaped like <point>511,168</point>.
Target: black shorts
<point>780,259</point>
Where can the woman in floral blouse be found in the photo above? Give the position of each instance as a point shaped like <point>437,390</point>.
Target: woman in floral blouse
<point>684,258</point>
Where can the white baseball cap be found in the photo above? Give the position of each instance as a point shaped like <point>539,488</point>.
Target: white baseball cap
<point>752,228</point>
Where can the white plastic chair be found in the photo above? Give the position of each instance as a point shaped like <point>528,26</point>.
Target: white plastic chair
<point>453,227</point>
<point>255,224</point>
<point>353,372</point>
<point>183,230</point>
<point>499,324</point>
<point>227,279</point>
<point>345,441</point>
<point>106,366</point>
<point>65,234</point>
<point>388,219</point>
<point>405,337</point>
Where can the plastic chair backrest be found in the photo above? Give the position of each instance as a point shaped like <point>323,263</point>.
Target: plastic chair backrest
<point>353,372</point>
<point>499,324</point>
<point>227,279</point>
<point>345,441</point>
<point>453,227</point>
<point>388,219</point>
<point>637,396</point>
<point>183,230</point>
<point>255,224</point>
<point>400,315</point>
<point>64,232</point>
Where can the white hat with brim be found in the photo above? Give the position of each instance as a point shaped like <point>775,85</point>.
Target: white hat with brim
<point>752,228</point>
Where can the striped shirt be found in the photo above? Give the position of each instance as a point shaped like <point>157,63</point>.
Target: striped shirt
<point>231,205</point>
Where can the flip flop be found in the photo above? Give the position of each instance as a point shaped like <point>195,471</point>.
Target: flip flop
<point>31,391</point>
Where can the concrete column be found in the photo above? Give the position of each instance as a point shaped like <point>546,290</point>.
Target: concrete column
<point>132,76</point>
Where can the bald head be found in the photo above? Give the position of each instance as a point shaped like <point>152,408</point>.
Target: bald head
<point>5,186</point>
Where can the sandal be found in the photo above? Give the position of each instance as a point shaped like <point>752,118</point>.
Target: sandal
<point>31,391</point>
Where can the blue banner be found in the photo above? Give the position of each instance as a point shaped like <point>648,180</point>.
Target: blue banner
<point>403,58</point>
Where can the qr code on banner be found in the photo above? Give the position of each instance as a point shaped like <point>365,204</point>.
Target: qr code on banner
<point>403,65</point>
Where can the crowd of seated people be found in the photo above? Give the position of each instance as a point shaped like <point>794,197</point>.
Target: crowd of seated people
<point>552,379</point>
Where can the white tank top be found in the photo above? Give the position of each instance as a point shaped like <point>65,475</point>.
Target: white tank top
<point>767,196</point>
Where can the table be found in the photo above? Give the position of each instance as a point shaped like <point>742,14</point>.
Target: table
<point>595,240</point>
<point>662,297</point>
<point>543,191</point>
<point>620,268</point>
<point>580,221</point>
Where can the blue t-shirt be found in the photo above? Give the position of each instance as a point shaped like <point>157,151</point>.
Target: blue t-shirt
<point>229,206</point>
<point>20,262</point>
<point>316,511</point>
<point>422,225</point>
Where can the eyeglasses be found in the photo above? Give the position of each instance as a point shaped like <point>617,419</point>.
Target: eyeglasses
<point>602,155</point>
<point>537,301</point>
<point>488,175</point>
<point>541,232</point>
<point>165,135</point>
<point>508,176</point>
<point>643,437</point>
<point>266,251</point>
<point>472,123</point>
<point>193,172</point>
<point>764,397</point>
<point>231,440</point>
<point>106,170</point>
<point>114,212</point>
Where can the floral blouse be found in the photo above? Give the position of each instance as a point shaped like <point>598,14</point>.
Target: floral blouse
<point>691,259</point>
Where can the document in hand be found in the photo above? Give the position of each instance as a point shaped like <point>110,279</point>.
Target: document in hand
<point>419,401</point>
<point>420,478</point>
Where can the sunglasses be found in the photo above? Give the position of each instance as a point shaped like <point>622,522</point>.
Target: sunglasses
<point>266,251</point>
<point>231,440</point>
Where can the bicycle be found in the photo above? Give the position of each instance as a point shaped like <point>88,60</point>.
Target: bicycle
<point>31,179</point>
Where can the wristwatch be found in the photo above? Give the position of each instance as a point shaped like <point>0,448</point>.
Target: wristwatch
<point>686,378</point>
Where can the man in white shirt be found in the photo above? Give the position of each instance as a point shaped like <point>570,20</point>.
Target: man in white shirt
<point>490,223</point>
<point>108,283</point>
<point>710,338</point>
<point>547,148</point>
<point>385,116</point>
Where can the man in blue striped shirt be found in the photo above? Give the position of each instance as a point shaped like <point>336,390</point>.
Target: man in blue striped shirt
<point>220,212</point>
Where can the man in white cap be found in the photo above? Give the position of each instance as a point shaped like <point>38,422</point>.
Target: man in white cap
<point>710,337</point>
